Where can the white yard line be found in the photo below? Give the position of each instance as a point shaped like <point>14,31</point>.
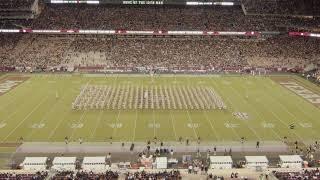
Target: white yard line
<point>231,107</point>
<point>309,121</point>
<point>275,115</point>
<point>292,94</point>
<point>21,122</point>
<point>115,128</point>
<point>114,132</point>
<point>206,116</point>
<point>154,124</point>
<point>97,124</point>
<point>80,120</point>
<point>153,113</point>
<point>45,115</point>
<point>135,127</point>
<point>179,93</point>
<point>246,123</point>
<point>212,127</point>
<point>12,114</point>
<point>284,107</point>
<point>82,116</point>
<point>58,125</point>
<point>190,120</point>
<point>260,117</point>
<point>236,92</point>
<point>101,113</point>
<point>16,109</point>
<point>12,100</point>
<point>174,128</point>
<point>42,119</point>
<point>285,124</point>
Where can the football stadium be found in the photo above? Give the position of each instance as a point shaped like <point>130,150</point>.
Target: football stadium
<point>111,89</point>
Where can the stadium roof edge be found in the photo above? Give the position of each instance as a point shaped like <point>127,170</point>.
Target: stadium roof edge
<point>150,2</point>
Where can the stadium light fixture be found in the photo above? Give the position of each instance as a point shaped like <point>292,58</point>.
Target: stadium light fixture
<point>224,3</point>
<point>315,35</point>
<point>93,2</point>
<point>197,3</point>
<point>193,3</point>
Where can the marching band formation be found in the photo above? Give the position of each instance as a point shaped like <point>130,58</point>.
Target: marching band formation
<point>128,96</point>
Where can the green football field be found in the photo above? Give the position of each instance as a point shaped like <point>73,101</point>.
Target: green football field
<point>258,108</point>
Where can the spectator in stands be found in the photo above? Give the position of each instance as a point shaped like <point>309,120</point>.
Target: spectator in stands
<point>43,53</point>
<point>79,175</point>
<point>216,18</point>
<point>24,175</point>
<point>160,175</point>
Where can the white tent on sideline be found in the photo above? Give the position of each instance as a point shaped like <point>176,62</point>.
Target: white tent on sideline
<point>95,164</point>
<point>34,163</point>
<point>257,162</point>
<point>221,162</point>
<point>64,163</point>
<point>290,161</point>
<point>161,162</point>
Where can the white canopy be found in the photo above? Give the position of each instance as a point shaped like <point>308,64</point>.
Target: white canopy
<point>291,158</point>
<point>256,161</point>
<point>291,161</point>
<point>35,163</point>
<point>94,160</point>
<point>64,160</point>
<point>64,163</point>
<point>221,162</point>
<point>96,164</point>
<point>161,163</point>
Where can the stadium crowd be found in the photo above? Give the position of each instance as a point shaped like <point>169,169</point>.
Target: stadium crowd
<point>173,175</point>
<point>21,176</point>
<point>16,4</point>
<point>157,18</point>
<point>39,51</point>
<point>302,175</point>
<point>42,52</point>
<point>70,175</point>
<point>151,18</point>
<point>283,7</point>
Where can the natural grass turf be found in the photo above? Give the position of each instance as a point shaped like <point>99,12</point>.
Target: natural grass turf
<point>5,156</point>
<point>7,149</point>
<point>3,163</point>
<point>34,102</point>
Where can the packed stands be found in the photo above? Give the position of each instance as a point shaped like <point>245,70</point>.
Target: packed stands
<point>283,7</point>
<point>18,9</point>
<point>213,53</point>
<point>25,176</point>
<point>40,51</point>
<point>304,174</point>
<point>159,18</point>
<point>151,18</point>
<point>16,4</point>
<point>85,175</point>
<point>159,175</point>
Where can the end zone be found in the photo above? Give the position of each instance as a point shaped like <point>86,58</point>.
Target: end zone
<point>301,90</point>
<point>10,82</point>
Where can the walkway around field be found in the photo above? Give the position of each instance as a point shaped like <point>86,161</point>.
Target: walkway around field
<point>116,147</point>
